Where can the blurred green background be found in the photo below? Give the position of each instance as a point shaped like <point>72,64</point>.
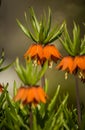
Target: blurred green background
<point>15,43</point>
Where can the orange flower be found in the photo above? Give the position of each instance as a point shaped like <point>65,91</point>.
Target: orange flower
<point>51,53</point>
<point>35,52</point>
<point>66,64</point>
<point>79,63</point>
<point>74,65</point>
<point>41,53</point>
<point>30,95</point>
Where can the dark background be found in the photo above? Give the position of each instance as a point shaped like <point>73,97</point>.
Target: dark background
<point>15,43</point>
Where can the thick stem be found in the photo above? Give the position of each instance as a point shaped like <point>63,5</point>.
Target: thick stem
<point>78,101</point>
<point>31,118</point>
<point>43,81</point>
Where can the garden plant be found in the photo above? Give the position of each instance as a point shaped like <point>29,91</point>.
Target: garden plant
<point>31,107</point>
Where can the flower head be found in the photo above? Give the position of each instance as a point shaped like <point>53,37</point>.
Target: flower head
<point>73,65</point>
<point>66,64</point>
<point>79,63</point>
<point>35,52</point>
<point>40,54</point>
<point>51,53</point>
<point>31,95</point>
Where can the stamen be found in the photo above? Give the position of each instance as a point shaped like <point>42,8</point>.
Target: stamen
<point>66,76</point>
<point>35,62</point>
<point>82,76</point>
<point>50,64</point>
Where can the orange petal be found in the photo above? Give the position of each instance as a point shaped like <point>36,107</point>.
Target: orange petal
<point>49,51</point>
<point>20,94</point>
<point>34,50</point>
<point>42,94</point>
<point>30,95</point>
<point>79,61</point>
<point>66,64</point>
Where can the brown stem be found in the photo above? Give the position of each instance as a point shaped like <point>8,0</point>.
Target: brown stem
<point>31,118</point>
<point>78,101</point>
<point>43,81</point>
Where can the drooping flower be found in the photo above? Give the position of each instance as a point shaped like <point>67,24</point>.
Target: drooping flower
<point>79,63</point>
<point>35,52</point>
<point>75,47</point>
<point>79,66</point>
<point>73,65</point>
<point>51,53</point>
<point>42,35</point>
<point>66,64</point>
<point>39,54</point>
<point>31,95</point>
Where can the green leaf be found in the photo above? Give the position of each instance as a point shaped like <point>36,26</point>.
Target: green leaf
<point>2,57</point>
<point>76,39</point>
<point>34,19</point>
<point>48,123</point>
<point>14,89</point>
<point>41,33</point>
<point>30,74</point>
<point>60,108</point>
<point>66,46</point>
<point>48,22</point>
<point>50,35</point>
<point>6,67</point>
<point>26,31</point>
<point>82,46</point>
<point>53,101</point>
<point>58,33</point>
<point>18,70</point>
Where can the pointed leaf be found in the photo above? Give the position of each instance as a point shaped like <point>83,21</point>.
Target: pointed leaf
<point>58,33</point>
<point>37,26</point>
<point>76,39</point>
<point>2,57</point>
<point>26,31</point>
<point>53,101</point>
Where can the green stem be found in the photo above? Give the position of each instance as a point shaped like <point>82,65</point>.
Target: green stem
<point>78,101</point>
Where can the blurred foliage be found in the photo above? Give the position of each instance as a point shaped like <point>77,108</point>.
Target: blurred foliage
<point>54,115</point>
<point>2,58</point>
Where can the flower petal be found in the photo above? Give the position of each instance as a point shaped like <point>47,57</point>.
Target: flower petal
<point>66,64</point>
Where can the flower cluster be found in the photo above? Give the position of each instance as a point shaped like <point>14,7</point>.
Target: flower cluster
<point>74,63</point>
<point>40,54</point>
<point>31,94</point>
<point>42,50</point>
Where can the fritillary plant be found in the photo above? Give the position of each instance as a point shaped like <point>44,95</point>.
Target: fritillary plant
<point>31,107</point>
